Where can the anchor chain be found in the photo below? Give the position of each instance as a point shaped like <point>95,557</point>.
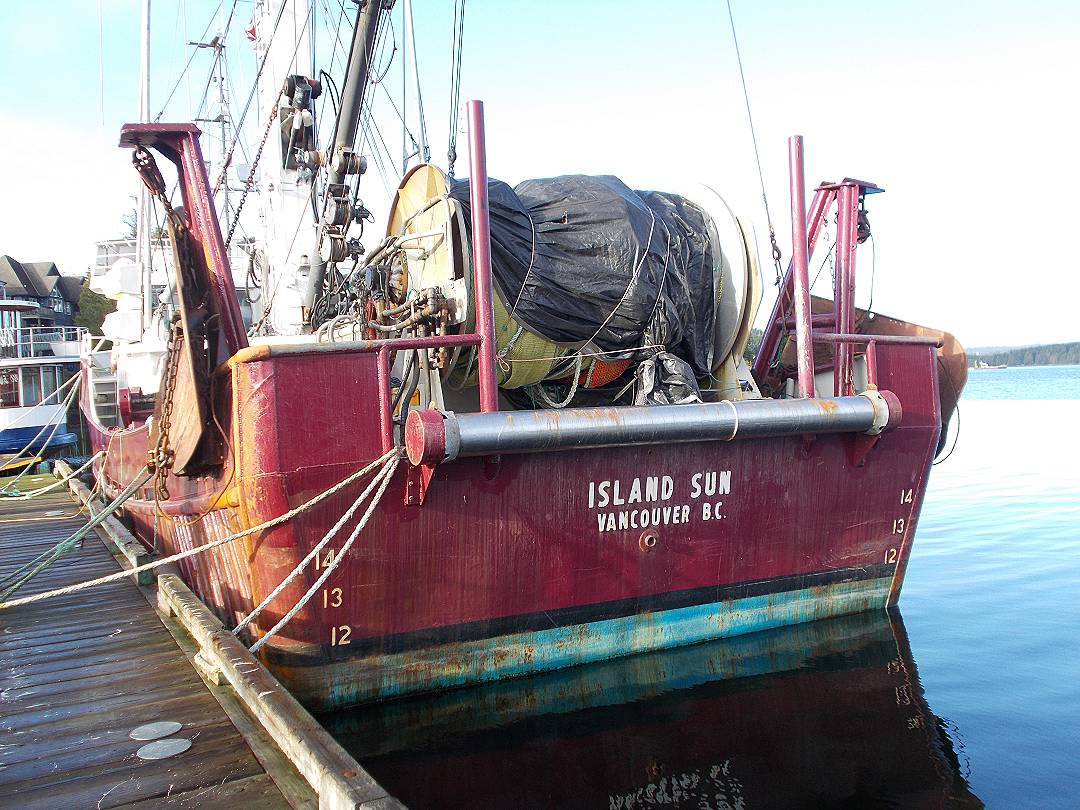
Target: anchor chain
<point>160,459</point>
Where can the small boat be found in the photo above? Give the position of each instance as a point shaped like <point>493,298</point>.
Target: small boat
<point>520,433</point>
<point>982,365</point>
<point>39,355</point>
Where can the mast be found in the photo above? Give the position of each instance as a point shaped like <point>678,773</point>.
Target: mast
<point>284,185</point>
<point>330,240</point>
<point>142,216</point>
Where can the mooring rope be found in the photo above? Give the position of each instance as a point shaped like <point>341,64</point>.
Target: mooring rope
<point>42,490</point>
<point>269,524</point>
<point>386,473</point>
<point>311,554</point>
<point>27,572</point>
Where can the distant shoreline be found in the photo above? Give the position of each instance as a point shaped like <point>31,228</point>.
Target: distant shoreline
<point>1053,354</point>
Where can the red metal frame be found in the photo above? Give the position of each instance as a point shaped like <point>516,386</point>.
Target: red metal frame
<point>847,195</point>
<point>180,144</point>
<point>484,337</point>
<point>819,206</point>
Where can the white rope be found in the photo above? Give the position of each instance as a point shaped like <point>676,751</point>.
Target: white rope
<point>542,394</point>
<point>35,492</point>
<point>269,524</point>
<point>387,473</point>
<point>311,554</point>
<point>735,412</point>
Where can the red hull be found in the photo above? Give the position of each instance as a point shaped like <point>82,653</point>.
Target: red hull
<point>504,549</point>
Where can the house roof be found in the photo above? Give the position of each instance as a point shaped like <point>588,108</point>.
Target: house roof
<point>36,279</point>
<point>70,288</point>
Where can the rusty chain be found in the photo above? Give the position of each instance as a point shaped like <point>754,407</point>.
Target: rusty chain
<point>160,458</point>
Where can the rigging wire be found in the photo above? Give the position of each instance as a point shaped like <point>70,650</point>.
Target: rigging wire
<point>782,291</point>
<point>422,147</point>
<point>187,66</point>
<point>455,83</point>
<point>101,69</point>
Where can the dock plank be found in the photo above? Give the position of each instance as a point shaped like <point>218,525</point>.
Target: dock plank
<point>79,672</point>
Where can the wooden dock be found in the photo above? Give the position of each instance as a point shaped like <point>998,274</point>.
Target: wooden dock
<point>79,672</point>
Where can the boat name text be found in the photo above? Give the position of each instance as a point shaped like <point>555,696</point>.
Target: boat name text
<point>660,504</point>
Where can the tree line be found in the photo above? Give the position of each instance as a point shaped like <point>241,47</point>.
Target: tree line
<point>1055,354</point>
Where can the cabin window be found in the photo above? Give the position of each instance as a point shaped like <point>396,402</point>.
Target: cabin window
<point>50,380</point>
<point>31,386</point>
<point>9,387</point>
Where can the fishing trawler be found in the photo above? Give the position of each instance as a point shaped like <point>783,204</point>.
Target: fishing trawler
<point>520,433</point>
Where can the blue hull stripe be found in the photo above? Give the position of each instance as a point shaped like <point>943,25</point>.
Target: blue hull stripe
<point>452,665</point>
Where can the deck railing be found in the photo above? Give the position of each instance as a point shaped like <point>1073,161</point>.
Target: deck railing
<point>39,341</point>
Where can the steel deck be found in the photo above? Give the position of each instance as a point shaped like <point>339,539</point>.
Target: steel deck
<point>79,672</point>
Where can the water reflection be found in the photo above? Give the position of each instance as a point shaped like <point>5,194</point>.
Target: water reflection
<point>827,714</point>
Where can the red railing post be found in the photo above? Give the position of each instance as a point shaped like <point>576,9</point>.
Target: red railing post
<point>800,259</point>
<point>481,235</point>
<point>847,203</point>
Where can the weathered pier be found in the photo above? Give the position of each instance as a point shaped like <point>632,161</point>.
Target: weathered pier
<point>79,673</point>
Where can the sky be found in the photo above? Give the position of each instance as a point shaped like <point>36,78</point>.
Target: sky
<point>962,111</point>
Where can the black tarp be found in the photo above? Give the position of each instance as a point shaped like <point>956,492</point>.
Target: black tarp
<point>586,260</point>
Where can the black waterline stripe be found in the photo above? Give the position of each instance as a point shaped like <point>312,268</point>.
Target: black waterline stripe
<point>563,617</point>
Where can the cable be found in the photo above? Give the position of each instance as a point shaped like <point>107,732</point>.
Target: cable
<point>255,84</point>
<point>956,408</point>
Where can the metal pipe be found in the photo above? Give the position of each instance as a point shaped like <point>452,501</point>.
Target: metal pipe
<point>891,340</point>
<point>816,319</point>
<point>485,309</point>
<point>143,248</point>
<point>871,364</point>
<point>800,260</point>
<point>386,416</point>
<point>433,437</point>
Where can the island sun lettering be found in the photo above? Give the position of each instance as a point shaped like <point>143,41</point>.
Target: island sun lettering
<point>623,504</point>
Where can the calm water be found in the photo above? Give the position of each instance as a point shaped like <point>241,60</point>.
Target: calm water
<point>971,698</point>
